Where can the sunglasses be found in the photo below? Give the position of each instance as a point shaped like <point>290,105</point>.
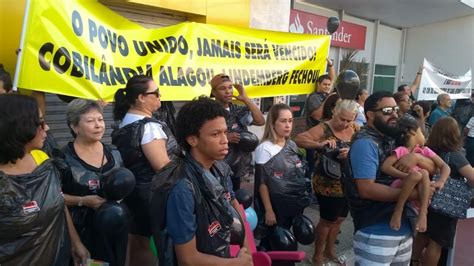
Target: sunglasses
<point>388,110</point>
<point>156,93</point>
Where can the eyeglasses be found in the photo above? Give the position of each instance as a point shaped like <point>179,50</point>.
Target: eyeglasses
<point>388,110</point>
<point>407,100</point>
<point>156,93</point>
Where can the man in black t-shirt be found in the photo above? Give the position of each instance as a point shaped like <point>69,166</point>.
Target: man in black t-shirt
<point>240,117</point>
<point>313,107</point>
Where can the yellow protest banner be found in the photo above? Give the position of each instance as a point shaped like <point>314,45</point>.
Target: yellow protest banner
<point>81,48</point>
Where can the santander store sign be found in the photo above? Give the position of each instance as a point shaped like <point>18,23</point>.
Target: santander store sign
<point>348,35</point>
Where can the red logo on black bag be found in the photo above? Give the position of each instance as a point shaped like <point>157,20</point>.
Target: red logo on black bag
<point>278,175</point>
<point>214,227</point>
<point>30,207</point>
<point>298,164</point>
<point>94,184</point>
<point>227,196</point>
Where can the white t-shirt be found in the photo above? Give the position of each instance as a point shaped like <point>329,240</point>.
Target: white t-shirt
<point>470,126</point>
<point>360,117</point>
<point>265,151</point>
<point>151,131</point>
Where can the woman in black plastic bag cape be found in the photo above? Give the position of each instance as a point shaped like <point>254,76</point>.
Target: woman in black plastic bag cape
<point>35,222</point>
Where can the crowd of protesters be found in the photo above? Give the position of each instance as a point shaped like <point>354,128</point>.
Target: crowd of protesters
<point>180,190</point>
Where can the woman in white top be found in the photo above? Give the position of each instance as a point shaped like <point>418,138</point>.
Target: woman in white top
<point>280,190</point>
<point>142,142</point>
<point>360,99</point>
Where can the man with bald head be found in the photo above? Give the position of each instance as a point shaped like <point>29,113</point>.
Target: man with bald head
<point>444,103</point>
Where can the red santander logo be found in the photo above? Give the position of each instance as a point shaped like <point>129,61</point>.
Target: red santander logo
<point>348,35</point>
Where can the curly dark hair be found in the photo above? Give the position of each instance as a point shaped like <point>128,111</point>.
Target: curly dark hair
<point>405,127</point>
<point>19,121</point>
<point>193,115</point>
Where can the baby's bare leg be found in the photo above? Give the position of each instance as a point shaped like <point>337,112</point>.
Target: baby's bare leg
<point>424,194</point>
<point>408,184</point>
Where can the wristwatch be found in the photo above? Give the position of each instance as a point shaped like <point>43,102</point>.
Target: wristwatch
<point>79,203</point>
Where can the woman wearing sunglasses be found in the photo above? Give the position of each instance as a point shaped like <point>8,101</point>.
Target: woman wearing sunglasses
<point>34,221</point>
<point>146,145</point>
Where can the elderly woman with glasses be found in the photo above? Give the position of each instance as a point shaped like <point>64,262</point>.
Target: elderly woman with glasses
<point>34,221</point>
<point>404,104</point>
<point>146,145</point>
<point>89,160</point>
<point>413,112</point>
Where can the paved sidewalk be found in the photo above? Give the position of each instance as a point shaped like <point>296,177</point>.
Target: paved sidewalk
<point>462,255</point>
<point>343,249</point>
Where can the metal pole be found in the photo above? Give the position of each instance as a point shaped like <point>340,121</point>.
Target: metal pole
<point>401,69</point>
<point>370,78</point>
<point>22,42</point>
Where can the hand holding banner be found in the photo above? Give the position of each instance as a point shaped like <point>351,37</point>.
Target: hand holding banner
<point>435,81</point>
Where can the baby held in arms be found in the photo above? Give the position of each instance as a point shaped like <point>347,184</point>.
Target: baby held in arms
<point>411,139</point>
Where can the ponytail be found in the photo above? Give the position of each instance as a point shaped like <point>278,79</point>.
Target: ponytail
<point>121,105</point>
<point>125,98</point>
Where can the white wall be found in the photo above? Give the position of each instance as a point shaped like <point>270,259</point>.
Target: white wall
<point>270,14</point>
<point>448,44</point>
<point>369,35</point>
<point>388,49</point>
<point>328,13</point>
<point>387,44</point>
<point>274,15</point>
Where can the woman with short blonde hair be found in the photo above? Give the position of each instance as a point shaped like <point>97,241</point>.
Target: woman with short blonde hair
<point>333,136</point>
